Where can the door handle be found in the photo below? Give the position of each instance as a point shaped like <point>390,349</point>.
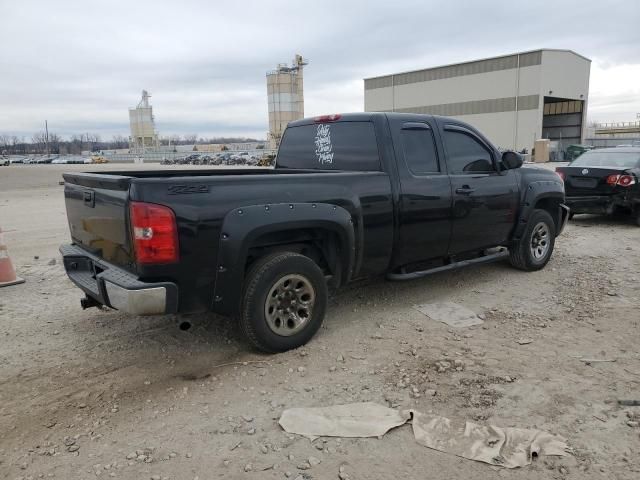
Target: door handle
<point>89,199</point>
<point>465,190</point>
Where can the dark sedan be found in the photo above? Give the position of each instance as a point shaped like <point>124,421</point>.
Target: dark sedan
<point>604,181</point>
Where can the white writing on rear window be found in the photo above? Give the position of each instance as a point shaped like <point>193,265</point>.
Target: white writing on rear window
<point>324,148</point>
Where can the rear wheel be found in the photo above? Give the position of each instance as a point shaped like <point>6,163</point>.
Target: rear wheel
<point>534,249</point>
<point>284,302</point>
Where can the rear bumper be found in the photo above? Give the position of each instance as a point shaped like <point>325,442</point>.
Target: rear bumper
<point>597,204</point>
<point>116,288</point>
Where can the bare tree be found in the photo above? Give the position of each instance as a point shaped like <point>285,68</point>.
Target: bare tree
<point>5,142</point>
<point>119,141</point>
<point>54,143</point>
<point>18,144</point>
<point>190,139</point>
<point>39,142</point>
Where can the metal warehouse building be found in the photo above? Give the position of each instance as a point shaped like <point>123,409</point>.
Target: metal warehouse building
<point>513,99</point>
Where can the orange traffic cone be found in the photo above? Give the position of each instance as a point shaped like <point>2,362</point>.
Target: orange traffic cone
<point>7,272</point>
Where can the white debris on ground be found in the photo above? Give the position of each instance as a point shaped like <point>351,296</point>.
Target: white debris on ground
<point>505,447</point>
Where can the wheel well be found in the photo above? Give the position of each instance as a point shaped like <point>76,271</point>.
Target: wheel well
<point>552,206</point>
<point>320,245</point>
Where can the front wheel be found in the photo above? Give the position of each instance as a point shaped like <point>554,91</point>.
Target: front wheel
<point>534,249</point>
<point>284,302</point>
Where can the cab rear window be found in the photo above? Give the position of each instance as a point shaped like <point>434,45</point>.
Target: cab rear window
<point>330,146</point>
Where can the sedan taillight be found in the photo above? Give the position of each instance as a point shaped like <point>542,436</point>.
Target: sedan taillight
<point>626,180</point>
<point>155,233</point>
<point>621,180</point>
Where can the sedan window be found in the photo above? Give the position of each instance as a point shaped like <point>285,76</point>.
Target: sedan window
<point>607,159</point>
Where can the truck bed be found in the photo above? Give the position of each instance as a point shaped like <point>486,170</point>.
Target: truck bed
<point>98,214</point>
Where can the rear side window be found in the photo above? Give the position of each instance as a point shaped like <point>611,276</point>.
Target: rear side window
<point>330,146</point>
<point>466,154</point>
<point>420,151</point>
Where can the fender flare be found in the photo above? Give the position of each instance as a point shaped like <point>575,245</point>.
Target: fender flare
<point>533,193</point>
<point>242,225</point>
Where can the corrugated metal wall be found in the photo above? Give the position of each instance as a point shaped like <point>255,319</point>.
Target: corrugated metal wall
<point>493,105</point>
<point>461,69</point>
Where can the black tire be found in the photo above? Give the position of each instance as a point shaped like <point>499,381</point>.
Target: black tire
<point>264,276</point>
<point>521,254</point>
<point>637,213</point>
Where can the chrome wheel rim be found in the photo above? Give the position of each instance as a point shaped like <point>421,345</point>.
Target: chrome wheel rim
<point>540,241</point>
<point>289,305</point>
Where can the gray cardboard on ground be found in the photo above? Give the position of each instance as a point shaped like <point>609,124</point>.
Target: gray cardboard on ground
<point>450,313</point>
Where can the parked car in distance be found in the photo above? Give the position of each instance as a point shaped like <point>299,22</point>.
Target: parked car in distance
<point>574,151</point>
<point>604,181</point>
<point>47,159</point>
<point>4,162</point>
<point>351,197</point>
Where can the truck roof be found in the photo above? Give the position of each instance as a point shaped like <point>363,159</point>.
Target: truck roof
<point>356,117</point>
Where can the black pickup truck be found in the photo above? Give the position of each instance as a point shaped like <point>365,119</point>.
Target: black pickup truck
<point>352,196</point>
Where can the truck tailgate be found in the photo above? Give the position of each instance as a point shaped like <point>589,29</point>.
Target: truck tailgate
<point>97,214</point>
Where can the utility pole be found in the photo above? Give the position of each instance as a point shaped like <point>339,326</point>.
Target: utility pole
<point>46,136</point>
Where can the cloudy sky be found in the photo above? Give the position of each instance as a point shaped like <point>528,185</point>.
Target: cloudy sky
<point>81,64</point>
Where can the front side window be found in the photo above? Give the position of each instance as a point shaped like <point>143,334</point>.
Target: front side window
<point>420,151</point>
<point>466,154</point>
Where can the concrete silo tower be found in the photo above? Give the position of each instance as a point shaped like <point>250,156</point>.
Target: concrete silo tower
<point>143,129</point>
<point>285,97</point>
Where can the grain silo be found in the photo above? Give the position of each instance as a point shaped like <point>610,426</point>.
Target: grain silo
<point>143,128</point>
<point>285,97</point>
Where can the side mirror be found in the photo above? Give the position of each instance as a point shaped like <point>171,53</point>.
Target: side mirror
<point>511,160</point>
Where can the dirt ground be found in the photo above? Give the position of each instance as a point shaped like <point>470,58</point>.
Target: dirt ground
<point>99,393</point>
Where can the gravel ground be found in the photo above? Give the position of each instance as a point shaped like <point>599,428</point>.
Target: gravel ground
<point>98,393</point>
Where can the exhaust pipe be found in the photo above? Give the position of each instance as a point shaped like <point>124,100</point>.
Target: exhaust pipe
<point>89,302</point>
<point>184,325</point>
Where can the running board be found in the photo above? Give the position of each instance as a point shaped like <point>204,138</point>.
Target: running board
<point>451,266</point>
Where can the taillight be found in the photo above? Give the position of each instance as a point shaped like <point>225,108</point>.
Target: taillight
<point>621,180</point>
<point>327,118</point>
<point>626,180</point>
<point>612,179</point>
<point>155,234</point>
<point>561,175</point>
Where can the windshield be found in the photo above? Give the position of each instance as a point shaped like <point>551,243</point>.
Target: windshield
<point>607,159</point>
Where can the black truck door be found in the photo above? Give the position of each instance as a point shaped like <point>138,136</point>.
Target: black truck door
<point>485,200</point>
<point>424,210</point>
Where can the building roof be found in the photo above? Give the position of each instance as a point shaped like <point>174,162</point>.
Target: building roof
<point>530,55</point>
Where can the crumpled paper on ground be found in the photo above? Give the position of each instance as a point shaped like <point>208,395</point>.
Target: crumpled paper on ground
<point>507,447</point>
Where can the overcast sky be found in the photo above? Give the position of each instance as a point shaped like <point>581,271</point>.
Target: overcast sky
<point>81,64</point>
